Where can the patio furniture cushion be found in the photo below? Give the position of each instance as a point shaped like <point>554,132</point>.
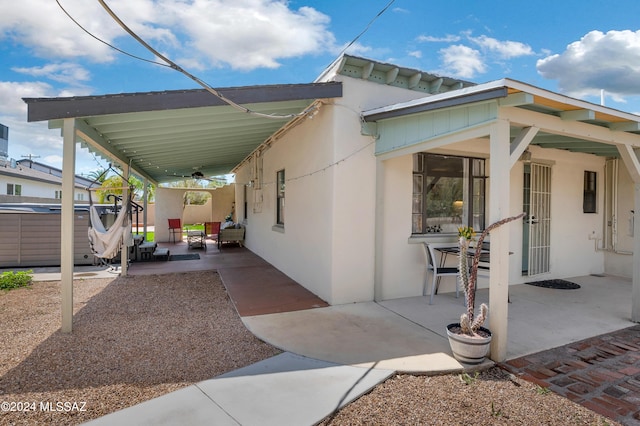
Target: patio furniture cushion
<point>161,252</point>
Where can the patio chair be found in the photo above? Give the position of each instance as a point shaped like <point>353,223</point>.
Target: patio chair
<point>437,269</point>
<point>175,227</point>
<point>211,230</point>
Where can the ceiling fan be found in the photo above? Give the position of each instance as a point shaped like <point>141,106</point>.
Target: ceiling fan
<point>198,175</point>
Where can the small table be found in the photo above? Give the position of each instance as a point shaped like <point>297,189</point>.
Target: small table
<point>196,239</point>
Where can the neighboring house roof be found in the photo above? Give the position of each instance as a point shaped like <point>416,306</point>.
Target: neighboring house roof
<point>512,93</point>
<point>167,136</point>
<point>38,172</point>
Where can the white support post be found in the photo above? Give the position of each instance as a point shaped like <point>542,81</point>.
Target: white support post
<point>124,251</point>
<point>145,206</point>
<point>379,231</point>
<point>631,161</point>
<point>499,153</point>
<point>67,222</point>
<point>635,286</point>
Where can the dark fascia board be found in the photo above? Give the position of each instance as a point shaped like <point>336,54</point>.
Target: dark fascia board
<point>40,109</point>
<point>495,93</point>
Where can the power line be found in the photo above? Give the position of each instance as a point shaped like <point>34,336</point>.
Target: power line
<point>107,43</point>
<point>206,86</point>
<point>384,9</point>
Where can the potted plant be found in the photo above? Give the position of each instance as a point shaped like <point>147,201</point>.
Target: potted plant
<point>469,340</point>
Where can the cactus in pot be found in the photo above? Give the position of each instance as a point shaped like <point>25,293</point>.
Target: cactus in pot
<point>469,323</point>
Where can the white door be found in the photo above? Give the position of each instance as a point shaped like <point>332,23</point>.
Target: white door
<point>536,230</point>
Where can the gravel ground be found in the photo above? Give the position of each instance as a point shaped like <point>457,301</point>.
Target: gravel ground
<point>140,337</point>
<point>134,338</point>
<point>494,397</point>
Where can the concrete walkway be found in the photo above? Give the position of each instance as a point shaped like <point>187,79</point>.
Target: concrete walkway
<point>284,390</point>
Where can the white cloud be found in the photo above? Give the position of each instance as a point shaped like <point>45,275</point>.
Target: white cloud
<point>462,61</point>
<point>13,113</point>
<point>248,34</point>
<point>42,27</point>
<point>244,34</point>
<point>11,93</point>
<point>67,73</point>
<point>505,49</point>
<point>415,54</point>
<point>431,39</point>
<point>609,61</point>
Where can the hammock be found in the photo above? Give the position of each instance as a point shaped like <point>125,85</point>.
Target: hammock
<point>105,243</point>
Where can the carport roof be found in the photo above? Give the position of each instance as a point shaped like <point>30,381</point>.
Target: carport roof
<point>169,135</point>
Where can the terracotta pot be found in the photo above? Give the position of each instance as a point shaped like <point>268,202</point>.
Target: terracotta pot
<point>470,350</point>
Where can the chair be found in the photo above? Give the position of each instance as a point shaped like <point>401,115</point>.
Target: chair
<point>437,269</point>
<point>211,230</point>
<point>175,226</point>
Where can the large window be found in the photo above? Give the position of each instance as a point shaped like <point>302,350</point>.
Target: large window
<point>280,198</point>
<point>448,192</point>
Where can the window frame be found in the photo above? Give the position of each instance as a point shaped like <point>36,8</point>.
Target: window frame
<point>473,178</point>
<point>590,192</point>
<point>14,189</point>
<point>280,196</point>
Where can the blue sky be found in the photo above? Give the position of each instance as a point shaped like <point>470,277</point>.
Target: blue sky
<point>574,47</point>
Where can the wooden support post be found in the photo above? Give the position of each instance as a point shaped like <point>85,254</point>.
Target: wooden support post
<point>499,182</point>
<point>67,223</point>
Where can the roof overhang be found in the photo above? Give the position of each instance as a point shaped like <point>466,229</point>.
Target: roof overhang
<point>167,136</point>
<point>535,106</point>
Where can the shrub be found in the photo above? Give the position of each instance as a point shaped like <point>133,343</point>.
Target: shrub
<point>10,280</point>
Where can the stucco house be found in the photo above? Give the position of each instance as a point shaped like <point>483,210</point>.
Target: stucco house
<point>31,181</point>
<point>376,159</point>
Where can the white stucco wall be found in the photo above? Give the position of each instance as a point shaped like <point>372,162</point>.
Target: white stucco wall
<point>169,205</point>
<point>327,244</point>
<point>302,248</point>
<point>619,259</point>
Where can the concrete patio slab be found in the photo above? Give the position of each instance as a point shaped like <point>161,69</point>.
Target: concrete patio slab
<point>362,334</point>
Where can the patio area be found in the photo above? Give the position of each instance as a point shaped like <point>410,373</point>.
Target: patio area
<point>407,334</point>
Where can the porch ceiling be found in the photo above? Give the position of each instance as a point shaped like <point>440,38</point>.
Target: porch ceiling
<point>167,136</point>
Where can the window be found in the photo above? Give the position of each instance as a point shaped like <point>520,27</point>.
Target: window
<point>589,201</point>
<point>14,189</point>
<point>280,198</point>
<point>80,196</point>
<point>448,192</point>
<point>58,195</point>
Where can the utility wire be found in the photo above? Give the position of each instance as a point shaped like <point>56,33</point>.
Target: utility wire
<point>384,9</point>
<point>210,89</point>
<point>206,86</point>
<point>170,64</point>
<point>106,43</point>
<point>367,27</point>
